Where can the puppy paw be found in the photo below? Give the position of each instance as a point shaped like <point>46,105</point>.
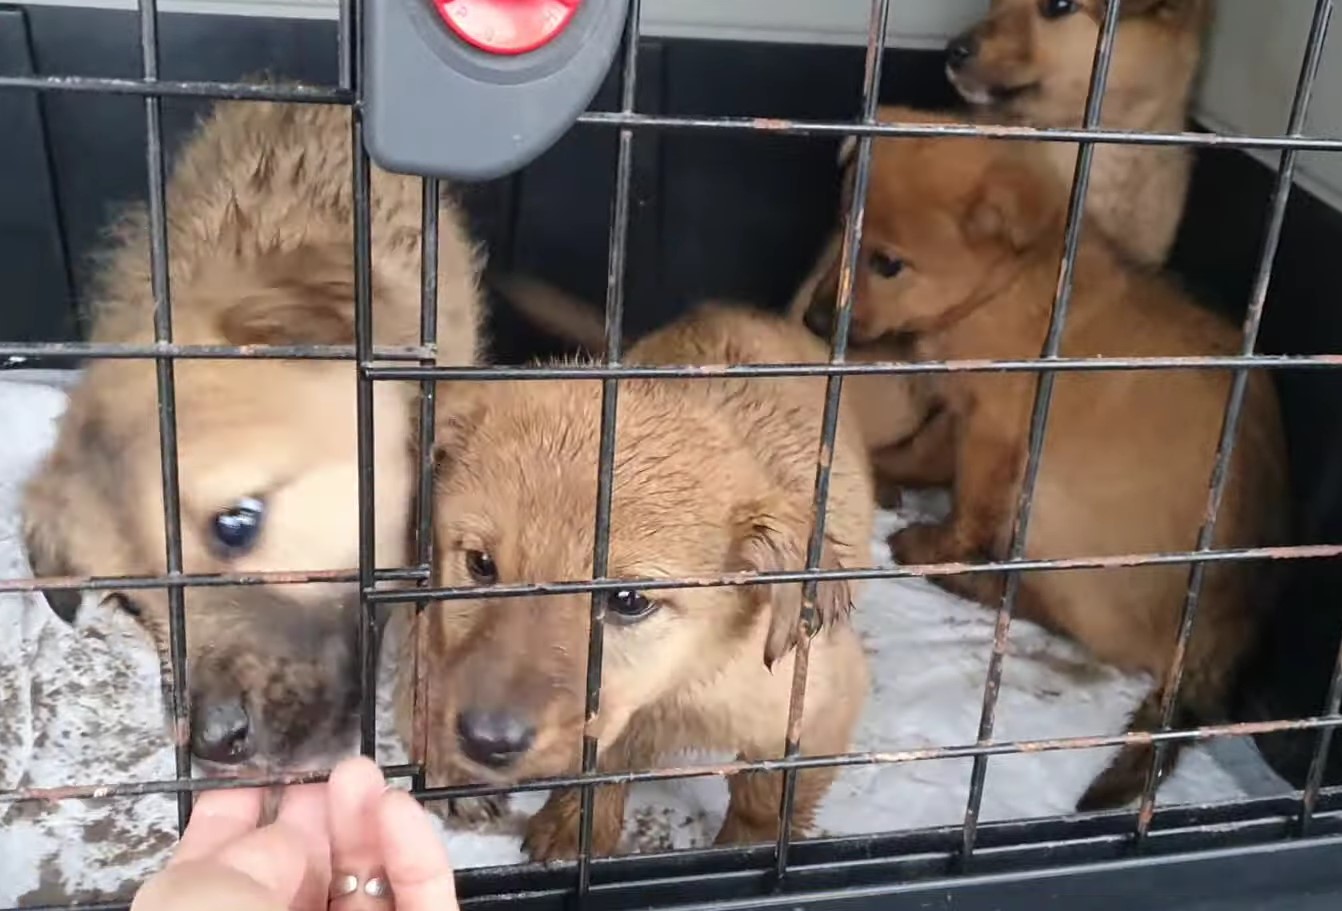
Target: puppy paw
<point>553,833</point>
<point>925,544</point>
<point>475,810</point>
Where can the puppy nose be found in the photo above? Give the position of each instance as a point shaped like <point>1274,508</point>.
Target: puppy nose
<point>494,739</point>
<point>221,732</point>
<point>819,317</point>
<point>959,50</point>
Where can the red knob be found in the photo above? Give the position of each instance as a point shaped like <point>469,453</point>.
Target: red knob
<point>507,26</point>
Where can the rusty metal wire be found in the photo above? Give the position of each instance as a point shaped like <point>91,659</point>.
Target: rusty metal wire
<point>1104,48</point>
<point>808,621</point>
<point>616,259</point>
<point>719,770</point>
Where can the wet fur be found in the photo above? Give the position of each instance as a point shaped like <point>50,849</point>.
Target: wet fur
<point>1128,454</point>
<point>711,476</point>
<point>261,250</point>
<point>888,412</point>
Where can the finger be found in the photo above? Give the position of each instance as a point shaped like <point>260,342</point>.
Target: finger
<point>274,856</point>
<point>356,848</point>
<point>202,885</point>
<point>303,809</point>
<point>416,862</point>
<point>219,817</point>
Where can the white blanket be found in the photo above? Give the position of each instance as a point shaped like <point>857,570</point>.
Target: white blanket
<point>83,706</point>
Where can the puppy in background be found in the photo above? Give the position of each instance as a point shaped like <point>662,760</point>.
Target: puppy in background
<point>260,235</point>
<point>1029,62</point>
<point>973,232</point>
<point>712,476</point>
<point>898,415</point>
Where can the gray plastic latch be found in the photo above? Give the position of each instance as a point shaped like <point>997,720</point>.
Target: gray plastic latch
<point>437,105</point>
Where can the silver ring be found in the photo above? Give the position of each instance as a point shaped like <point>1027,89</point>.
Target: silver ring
<point>344,885</point>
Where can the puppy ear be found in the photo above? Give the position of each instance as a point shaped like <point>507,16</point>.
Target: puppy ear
<point>303,297</point>
<point>1015,203</point>
<point>771,540</point>
<point>46,537</point>
<point>460,406</point>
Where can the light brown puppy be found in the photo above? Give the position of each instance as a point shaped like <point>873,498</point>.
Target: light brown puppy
<point>1029,62</point>
<point>260,234</point>
<point>974,232</point>
<point>712,476</point>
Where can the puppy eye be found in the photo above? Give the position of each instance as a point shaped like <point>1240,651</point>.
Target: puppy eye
<point>1056,9</point>
<point>118,601</point>
<point>236,528</point>
<point>481,567</point>
<point>884,265</point>
<point>630,607</point>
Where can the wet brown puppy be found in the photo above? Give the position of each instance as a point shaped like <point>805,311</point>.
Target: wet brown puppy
<point>261,241</point>
<point>974,231</point>
<point>712,476</point>
<point>1029,62</point>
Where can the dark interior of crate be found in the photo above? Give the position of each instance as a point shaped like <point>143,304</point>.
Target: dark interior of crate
<point>727,215</point>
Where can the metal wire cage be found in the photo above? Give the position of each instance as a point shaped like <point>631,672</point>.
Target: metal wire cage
<point>782,871</point>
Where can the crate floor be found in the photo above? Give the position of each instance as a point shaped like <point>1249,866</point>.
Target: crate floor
<point>83,706</point>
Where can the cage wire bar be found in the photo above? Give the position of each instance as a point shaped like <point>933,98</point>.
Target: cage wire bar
<point>1253,319</point>
<point>165,390</point>
<point>1043,398</point>
<point>418,363</point>
<point>616,258</point>
<point>707,770</point>
<point>807,620</point>
<point>423,516</point>
<point>367,642</point>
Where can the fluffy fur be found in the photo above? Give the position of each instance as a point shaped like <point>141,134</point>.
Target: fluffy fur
<point>1029,62</point>
<point>260,235</point>
<point>977,228</point>
<point>712,476</point>
<point>1019,65</point>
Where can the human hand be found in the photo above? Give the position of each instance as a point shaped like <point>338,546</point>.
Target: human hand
<point>350,845</point>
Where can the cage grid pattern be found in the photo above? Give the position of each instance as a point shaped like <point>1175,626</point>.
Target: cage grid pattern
<point>417,363</point>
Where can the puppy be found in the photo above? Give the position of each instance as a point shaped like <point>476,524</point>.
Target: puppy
<point>260,234</point>
<point>1029,62</point>
<point>712,476</point>
<point>973,231</point>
